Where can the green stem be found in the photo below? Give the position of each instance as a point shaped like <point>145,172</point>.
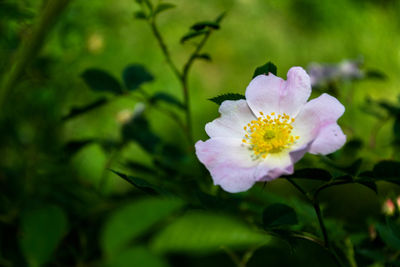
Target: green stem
<point>30,47</point>
<point>313,200</point>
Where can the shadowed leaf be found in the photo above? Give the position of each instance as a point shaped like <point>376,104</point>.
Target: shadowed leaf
<point>205,24</point>
<point>205,56</point>
<point>138,130</point>
<point>269,67</point>
<point>140,15</point>
<point>135,75</point>
<point>230,96</point>
<point>193,34</point>
<point>76,111</point>
<point>167,98</point>
<point>163,7</point>
<point>141,184</point>
<point>101,81</point>
<point>277,215</point>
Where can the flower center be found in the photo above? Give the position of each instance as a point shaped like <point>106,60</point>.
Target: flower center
<point>269,134</point>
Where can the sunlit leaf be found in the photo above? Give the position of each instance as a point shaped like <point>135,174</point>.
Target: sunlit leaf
<point>135,75</point>
<point>277,215</point>
<point>76,111</point>
<point>206,232</point>
<point>163,7</point>
<point>167,98</point>
<point>230,96</point>
<point>42,229</point>
<point>101,81</point>
<point>269,67</point>
<point>134,219</point>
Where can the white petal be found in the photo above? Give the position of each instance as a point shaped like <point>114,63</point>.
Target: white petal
<point>234,116</point>
<point>329,139</point>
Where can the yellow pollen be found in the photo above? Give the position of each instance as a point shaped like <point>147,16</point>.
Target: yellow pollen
<point>269,134</point>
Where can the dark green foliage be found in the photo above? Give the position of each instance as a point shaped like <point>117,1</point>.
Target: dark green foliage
<point>141,184</point>
<point>167,98</point>
<point>135,75</point>
<point>193,34</point>
<point>163,7</point>
<point>138,130</point>
<point>76,111</point>
<point>101,81</point>
<point>230,96</point>
<point>312,173</point>
<point>204,56</point>
<point>277,215</point>
<point>140,15</point>
<point>269,67</point>
<point>205,24</point>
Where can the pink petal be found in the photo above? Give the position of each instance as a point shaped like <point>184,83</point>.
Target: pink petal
<point>234,116</point>
<point>296,93</point>
<point>263,94</point>
<point>329,139</point>
<point>269,94</point>
<point>316,115</point>
<point>229,163</point>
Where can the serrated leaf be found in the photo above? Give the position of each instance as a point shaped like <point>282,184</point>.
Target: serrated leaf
<point>206,57</point>
<point>230,96</point>
<point>163,7</point>
<point>140,15</point>
<point>76,111</point>
<point>312,174</point>
<point>101,81</point>
<point>167,98</point>
<point>141,184</point>
<point>204,24</point>
<point>206,232</point>
<point>269,67</point>
<point>193,34</point>
<point>134,219</point>
<point>135,75</point>
<point>277,215</point>
<point>42,229</point>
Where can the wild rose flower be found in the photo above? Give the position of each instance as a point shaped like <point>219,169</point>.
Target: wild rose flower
<point>262,137</point>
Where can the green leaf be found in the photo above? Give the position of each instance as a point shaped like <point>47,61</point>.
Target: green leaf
<point>135,75</point>
<point>167,98</point>
<point>139,167</point>
<point>370,184</point>
<point>138,130</point>
<point>204,56</point>
<point>312,174</point>
<point>206,232</point>
<point>230,96</point>
<point>193,34</point>
<point>220,17</point>
<point>140,15</point>
<point>141,184</point>
<point>137,256</point>
<point>163,7</point>
<point>76,111</point>
<point>42,229</point>
<point>205,24</point>
<point>74,146</point>
<point>388,236</point>
<point>269,67</point>
<point>133,220</point>
<point>277,215</point>
<point>101,81</point>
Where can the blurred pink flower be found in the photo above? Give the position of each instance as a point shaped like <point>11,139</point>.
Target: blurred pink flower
<point>260,138</point>
<point>388,207</point>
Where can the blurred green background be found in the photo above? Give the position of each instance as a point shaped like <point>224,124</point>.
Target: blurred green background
<point>63,208</point>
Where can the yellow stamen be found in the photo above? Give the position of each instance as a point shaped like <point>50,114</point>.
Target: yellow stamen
<point>268,135</point>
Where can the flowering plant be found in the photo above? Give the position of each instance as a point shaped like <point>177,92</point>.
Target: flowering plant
<point>262,137</point>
